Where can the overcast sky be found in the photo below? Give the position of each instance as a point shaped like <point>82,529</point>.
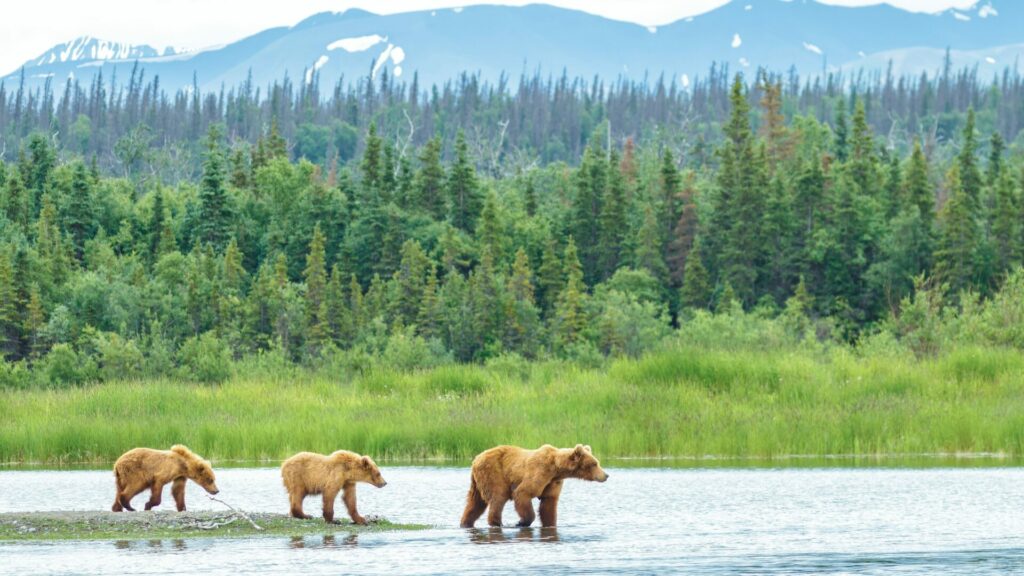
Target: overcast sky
<point>29,28</point>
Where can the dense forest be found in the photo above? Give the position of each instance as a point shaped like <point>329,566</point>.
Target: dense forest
<point>142,234</point>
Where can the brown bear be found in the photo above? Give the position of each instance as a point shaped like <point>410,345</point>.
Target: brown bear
<point>308,473</point>
<point>511,473</point>
<point>142,468</point>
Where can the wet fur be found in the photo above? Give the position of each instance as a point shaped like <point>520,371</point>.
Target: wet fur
<point>143,469</point>
<point>508,473</point>
<point>307,473</point>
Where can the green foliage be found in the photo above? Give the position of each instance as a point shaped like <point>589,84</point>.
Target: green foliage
<point>205,358</point>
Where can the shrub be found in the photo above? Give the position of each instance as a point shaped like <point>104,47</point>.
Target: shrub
<point>205,358</point>
<point>64,366</point>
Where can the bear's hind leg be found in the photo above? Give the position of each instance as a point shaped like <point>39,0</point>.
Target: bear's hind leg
<point>131,491</point>
<point>475,506</point>
<point>494,509</point>
<point>156,493</point>
<point>296,498</point>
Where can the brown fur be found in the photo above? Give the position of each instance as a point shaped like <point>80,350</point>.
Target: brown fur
<point>511,473</point>
<point>307,473</point>
<point>140,469</point>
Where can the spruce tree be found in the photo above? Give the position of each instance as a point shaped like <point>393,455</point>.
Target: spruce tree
<point>430,180</point>
<point>549,277</point>
<point>612,224</point>
<point>79,220</point>
<point>464,203</point>
<point>955,257</point>
<point>696,290</point>
<point>315,275</point>
<point>17,204</point>
<point>967,162</point>
<point>215,211</point>
<point>569,318</point>
<point>1006,227</point>
<point>647,255</point>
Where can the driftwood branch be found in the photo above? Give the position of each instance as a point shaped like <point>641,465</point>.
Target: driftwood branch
<point>237,513</point>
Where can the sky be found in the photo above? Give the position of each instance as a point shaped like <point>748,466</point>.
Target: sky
<point>29,28</point>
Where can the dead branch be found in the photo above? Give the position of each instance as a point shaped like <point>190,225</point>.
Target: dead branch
<point>237,512</point>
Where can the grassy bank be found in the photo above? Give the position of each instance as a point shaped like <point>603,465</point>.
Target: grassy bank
<point>112,526</point>
<point>680,401</point>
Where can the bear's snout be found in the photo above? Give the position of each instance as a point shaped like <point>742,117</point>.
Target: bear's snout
<point>381,484</point>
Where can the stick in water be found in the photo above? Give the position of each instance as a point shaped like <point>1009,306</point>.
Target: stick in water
<point>238,512</point>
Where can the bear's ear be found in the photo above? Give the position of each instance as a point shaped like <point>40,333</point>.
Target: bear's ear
<point>366,461</point>
<point>578,452</point>
<point>587,448</point>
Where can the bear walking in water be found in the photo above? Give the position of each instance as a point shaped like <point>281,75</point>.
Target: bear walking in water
<point>144,468</point>
<point>511,473</point>
<point>308,473</point>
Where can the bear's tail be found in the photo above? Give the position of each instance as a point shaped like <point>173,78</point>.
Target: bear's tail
<point>475,504</point>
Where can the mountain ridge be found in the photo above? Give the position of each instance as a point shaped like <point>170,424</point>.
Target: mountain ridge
<point>491,40</point>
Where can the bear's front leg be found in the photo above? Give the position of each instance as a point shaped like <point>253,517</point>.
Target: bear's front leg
<point>524,506</point>
<point>350,502</point>
<point>549,504</point>
<point>178,492</point>
<point>330,494</point>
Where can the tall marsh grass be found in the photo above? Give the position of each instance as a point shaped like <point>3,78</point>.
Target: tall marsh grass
<point>679,401</point>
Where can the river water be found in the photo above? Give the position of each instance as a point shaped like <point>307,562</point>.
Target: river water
<point>699,521</point>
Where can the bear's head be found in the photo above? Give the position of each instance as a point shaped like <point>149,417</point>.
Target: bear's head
<point>580,463</point>
<point>201,473</point>
<point>365,470</point>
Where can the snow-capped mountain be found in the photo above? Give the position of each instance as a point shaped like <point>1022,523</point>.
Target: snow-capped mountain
<point>491,40</point>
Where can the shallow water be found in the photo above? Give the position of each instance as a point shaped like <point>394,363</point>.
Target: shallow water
<point>831,521</point>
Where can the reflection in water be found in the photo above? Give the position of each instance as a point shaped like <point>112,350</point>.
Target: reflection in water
<point>327,541</point>
<point>495,535</point>
<point>122,544</point>
<point>154,544</point>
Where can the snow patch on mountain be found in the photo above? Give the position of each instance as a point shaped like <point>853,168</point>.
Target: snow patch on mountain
<point>737,41</point>
<point>86,48</point>
<point>961,16</point>
<point>357,44</point>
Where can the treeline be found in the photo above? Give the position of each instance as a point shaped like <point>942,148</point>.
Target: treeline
<point>408,255</point>
<point>134,128</point>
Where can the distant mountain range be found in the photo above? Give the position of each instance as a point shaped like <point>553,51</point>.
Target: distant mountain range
<point>489,40</point>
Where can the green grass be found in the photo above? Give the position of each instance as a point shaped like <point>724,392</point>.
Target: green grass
<point>154,525</point>
<point>681,401</point>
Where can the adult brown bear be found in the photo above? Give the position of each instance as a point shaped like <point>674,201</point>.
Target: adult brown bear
<point>308,473</point>
<point>511,473</point>
<point>144,468</point>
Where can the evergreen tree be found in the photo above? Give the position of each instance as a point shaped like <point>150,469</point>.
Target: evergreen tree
<point>524,318</point>
<point>213,225</point>
<point>464,203</point>
<point>995,159</point>
<point>647,255</point>
<point>10,331</point>
<point>372,164</point>
<point>17,204</point>
<point>919,187</point>
<point>970,174</point>
<point>696,290</point>
<point>315,275</point>
<point>955,256</point>
<point>841,131</point>
<point>591,183</point>
<point>409,283</point>
<point>612,223</point>
<point>549,277</point>
<point>79,220</point>
<point>569,318</point>
<point>1006,227</point>
<point>430,181</point>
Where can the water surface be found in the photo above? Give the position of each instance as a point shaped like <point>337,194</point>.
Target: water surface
<point>701,521</point>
